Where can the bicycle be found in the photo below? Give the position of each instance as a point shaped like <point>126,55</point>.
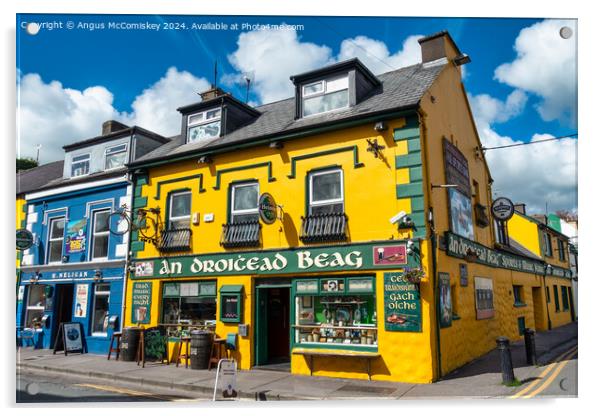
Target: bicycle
<point>122,221</point>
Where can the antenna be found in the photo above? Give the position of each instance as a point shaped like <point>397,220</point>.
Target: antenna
<point>247,79</point>
<point>215,74</point>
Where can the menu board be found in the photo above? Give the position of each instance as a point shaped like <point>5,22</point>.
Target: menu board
<point>141,302</point>
<point>230,308</point>
<point>402,304</point>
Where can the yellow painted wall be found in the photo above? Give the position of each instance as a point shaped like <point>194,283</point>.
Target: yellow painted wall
<point>561,316</point>
<point>525,232</point>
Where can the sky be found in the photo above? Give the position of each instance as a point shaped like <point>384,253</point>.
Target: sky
<point>521,83</point>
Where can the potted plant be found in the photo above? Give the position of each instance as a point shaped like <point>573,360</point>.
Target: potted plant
<point>414,275</point>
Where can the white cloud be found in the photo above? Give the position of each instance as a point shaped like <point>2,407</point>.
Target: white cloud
<point>52,115</point>
<point>273,56</point>
<point>546,65</point>
<point>531,174</point>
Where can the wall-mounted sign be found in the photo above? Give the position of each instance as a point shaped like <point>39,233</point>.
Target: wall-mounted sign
<point>460,213</point>
<point>268,210</point>
<point>402,304</point>
<point>463,274</point>
<point>445,301</point>
<point>81,301</point>
<point>502,209</point>
<point>24,239</point>
<point>144,268</point>
<point>456,168</point>
<point>141,302</point>
<point>75,238</point>
<point>389,255</point>
<point>483,288</point>
<point>319,259</point>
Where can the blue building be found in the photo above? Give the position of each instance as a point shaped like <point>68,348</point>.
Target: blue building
<point>76,269</point>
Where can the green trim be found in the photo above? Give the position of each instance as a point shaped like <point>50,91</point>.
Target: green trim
<point>410,130</point>
<point>140,202</point>
<point>294,160</point>
<point>409,160</point>
<point>416,174</point>
<point>134,235</point>
<point>417,204</point>
<point>519,305</point>
<point>408,190</point>
<point>238,296</point>
<point>184,178</point>
<point>256,142</point>
<point>219,173</point>
<point>137,246</point>
<point>335,346</point>
<point>419,232</point>
<point>138,191</point>
<point>24,208</point>
<point>24,223</point>
<point>142,180</point>
<point>418,218</point>
<point>414,145</point>
<point>231,289</point>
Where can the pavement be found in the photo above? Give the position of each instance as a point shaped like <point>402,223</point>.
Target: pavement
<point>480,378</point>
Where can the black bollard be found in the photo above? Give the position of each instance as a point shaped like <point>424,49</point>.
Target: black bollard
<point>503,345</point>
<point>529,335</point>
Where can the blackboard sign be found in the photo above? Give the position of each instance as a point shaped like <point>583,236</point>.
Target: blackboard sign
<point>230,307</point>
<point>402,304</point>
<point>141,302</point>
<point>155,344</point>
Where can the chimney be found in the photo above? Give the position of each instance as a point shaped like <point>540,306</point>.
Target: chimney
<point>520,208</point>
<point>211,93</point>
<point>111,125</point>
<point>441,45</point>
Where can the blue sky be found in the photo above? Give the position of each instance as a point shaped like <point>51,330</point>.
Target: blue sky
<point>123,64</point>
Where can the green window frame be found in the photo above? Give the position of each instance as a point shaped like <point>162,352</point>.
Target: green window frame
<point>521,325</point>
<point>171,290</point>
<point>556,298</point>
<point>230,294</point>
<point>518,295</point>
<point>565,298</point>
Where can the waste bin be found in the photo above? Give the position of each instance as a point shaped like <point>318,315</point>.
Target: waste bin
<point>130,337</point>
<point>200,348</point>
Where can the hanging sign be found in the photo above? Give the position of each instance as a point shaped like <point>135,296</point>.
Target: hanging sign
<point>75,239</point>
<point>402,304</point>
<point>268,210</point>
<point>24,239</point>
<point>502,209</point>
<point>81,301</point>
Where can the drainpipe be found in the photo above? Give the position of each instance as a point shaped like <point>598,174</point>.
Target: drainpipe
<point>433,240</point>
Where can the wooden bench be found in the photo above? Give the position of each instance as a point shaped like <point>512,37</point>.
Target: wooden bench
<point>311,352</point>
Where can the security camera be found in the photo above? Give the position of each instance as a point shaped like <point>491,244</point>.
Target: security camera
<point>398,217</point>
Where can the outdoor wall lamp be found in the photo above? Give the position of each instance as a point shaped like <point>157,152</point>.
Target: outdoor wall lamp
<point>470,256</point>
<point>36,276</point>
<point>381,126</point>
<point>461,59</point>
<point>97,274</point>
<point>205,159</point>
<point>276,145</point>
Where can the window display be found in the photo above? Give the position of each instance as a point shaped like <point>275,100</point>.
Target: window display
<point>335,311</point>
<point>190,303</point>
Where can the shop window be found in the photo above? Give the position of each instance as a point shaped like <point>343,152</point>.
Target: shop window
<point>115,157</point>
<point>556,298</point>
<point>100,314</point>
<point>325,95</point>
<point>518,295</point>
<point>204,125</point>
<point>565,298</point>
<point>561,250</point>
<point>100,235</point>
<point>80,165</point>
<point>335,311</point>
<point>189,303</point>
<point>326,192</point>
<point>179,210</point>
<point>56,232</point>
<point>36,302</point>
<point>231,303</point>
<point>245,203</point>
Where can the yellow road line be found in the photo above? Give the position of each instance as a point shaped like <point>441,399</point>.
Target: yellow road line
<point>130,392</point>
<point>544,373</point>
<point>553,376</point>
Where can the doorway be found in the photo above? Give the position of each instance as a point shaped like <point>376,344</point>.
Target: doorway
<point>538,309</point>
<point>64,308</point>
<point>272,346</point>
<point>571,305</point>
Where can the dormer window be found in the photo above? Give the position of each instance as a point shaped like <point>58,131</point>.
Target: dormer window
<point>115,156</point>
<point>325,95</point>
<point>80,165</point>
<point>204,125</point>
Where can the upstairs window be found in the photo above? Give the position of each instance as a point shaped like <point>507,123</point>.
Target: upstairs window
<point>204,125</point>
<point>561,250</point>
<point>548,244</point>
<point>245,203</point>
<point>326,192</point>
<point>325,95</point>
<point>115,156</point>
<point>80,165</point>
<point>56,232</point>
<point>179,210</point>
<point>100,235</point>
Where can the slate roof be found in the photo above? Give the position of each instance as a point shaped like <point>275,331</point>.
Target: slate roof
<point>36,178</point>
<point>401,88</point>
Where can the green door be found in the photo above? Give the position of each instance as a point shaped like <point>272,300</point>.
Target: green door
<point>261,328</point>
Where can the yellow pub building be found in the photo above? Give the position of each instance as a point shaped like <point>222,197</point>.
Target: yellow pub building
<point>346,231</point>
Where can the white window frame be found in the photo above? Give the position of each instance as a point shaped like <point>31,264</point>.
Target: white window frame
<point>323,92</point>
<point>324,202</point>
<point>49,238</point>
<point>94,234</point>
<point>181,217</point>
<point>204,120</point>
<point>36,308</point>
<point>73,161</point>
<point>96,292</point>
<point>109,151</point>
<point>234,212</point>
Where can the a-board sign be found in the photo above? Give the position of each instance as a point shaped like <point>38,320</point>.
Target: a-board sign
<point>225,379</point>
<point>69,338</point>
<point>155,344</point>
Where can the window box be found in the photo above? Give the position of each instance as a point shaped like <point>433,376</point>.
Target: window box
<point>231,303</point>
<point>324,228</point>
<point>175,240</point>
<point>242,234</point>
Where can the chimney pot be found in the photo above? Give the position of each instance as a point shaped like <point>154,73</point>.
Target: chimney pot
<point>112,125</point>
<point>211,93</point>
